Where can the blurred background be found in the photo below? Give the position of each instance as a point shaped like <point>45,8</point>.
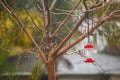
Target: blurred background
<point>19,59</point>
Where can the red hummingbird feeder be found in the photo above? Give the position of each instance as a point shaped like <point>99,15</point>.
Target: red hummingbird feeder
<point>89,60</point>
<point>88,46</point>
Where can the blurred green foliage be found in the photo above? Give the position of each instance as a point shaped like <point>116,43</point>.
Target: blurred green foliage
<point>10,30</point>
<point>37,71</point>
<point>12,37</point>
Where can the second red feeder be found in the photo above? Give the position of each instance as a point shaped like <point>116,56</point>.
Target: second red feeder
<point>89,60</point>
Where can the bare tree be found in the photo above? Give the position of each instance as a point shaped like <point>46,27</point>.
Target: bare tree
<point>54,49</point>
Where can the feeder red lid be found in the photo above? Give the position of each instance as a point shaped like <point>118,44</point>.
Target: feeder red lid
<point>88,46</point>
<point>89,60</point>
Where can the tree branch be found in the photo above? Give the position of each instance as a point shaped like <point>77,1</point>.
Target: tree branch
<point>48,13</point>
<point>48,32</point>
<point>85,4</point>
<point>44,12</point>
<point>94,6</point>
<point>52,5</point>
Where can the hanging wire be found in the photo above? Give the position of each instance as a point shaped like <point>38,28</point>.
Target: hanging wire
<point>88,27</point>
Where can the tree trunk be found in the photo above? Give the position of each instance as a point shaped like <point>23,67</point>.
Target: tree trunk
<point>51,68</point>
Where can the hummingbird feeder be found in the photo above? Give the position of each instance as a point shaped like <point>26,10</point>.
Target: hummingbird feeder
<point>89,60</point>
<point>89,47</point>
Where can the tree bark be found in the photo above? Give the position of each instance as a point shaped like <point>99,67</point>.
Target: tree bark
<point>51,68</point>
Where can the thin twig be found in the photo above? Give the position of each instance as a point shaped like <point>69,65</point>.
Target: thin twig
<point>52,5</point>
<point>44,13</point>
